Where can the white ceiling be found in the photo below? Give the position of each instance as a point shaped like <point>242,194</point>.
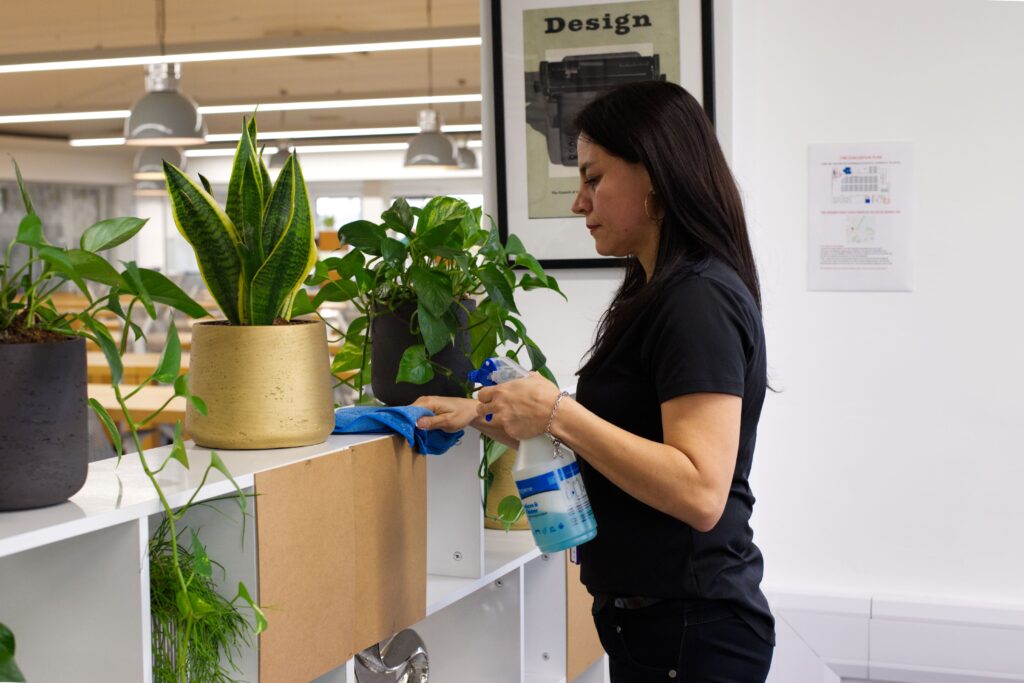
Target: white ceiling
<point>74,27</point>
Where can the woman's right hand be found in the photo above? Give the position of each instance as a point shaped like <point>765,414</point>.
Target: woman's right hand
<point>450,414</point>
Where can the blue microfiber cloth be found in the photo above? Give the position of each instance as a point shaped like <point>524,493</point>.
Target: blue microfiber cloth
<point>398,420</point>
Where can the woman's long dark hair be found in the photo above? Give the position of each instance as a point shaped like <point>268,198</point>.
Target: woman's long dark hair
<point>660,125</point>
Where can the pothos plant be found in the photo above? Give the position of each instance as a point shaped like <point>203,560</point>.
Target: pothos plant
<point>194,627</point>
<point>27,313</point>
<point>432,257</point>
<point>9,670</point>
<point>27,310</point>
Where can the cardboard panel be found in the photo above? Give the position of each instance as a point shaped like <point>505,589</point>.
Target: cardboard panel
<point>390,514</point>
<point>306,563</point>
<point>582,646</point>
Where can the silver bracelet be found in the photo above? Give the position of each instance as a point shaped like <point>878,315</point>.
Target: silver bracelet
<point>555,441</point>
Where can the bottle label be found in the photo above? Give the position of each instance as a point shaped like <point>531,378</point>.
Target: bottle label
<point>556,505</point>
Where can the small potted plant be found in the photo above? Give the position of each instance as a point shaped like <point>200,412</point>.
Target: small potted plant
<point>9,670</point>
<point>265,376</point>
<point>43,414</point>
<point>435,292</point>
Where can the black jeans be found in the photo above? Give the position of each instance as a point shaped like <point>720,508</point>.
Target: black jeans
<point>679,641</point>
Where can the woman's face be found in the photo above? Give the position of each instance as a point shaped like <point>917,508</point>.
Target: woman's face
<point>611,197</point>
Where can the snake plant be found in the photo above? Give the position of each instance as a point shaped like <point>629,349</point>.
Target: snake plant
<point>255,252</point>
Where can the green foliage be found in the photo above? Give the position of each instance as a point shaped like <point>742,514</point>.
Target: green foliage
<point>213,624</point>
<point>255,252</point>
<point>510,508</point>
<point>26,291</point>
<point>434,259</point>
<point>9,670</point>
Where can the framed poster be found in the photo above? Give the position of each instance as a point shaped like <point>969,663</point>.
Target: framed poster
<point>552,57</point>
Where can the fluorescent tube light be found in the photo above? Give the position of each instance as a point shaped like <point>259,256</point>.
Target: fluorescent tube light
<point>214,56</point>
<point>368,147</point>
<point>225,152</point>
<point>66,116</point>
<point>299,134</point>
<point>249,108</point>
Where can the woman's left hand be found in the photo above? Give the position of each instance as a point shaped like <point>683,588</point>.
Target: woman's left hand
<point>520,407</point>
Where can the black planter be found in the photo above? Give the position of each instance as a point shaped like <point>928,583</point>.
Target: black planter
<point>391,337</point>
<point>44,428</point>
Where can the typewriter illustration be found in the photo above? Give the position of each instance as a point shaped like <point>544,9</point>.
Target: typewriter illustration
<point>559,90</point>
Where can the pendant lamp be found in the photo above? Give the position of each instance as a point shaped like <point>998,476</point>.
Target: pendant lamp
<point>430,147</point>
<point>149,162</point>
<point>163,116</point>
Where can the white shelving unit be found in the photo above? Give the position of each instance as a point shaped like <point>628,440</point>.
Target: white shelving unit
<point>74,578</point>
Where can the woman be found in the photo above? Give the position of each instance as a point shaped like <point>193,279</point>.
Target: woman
<point>667,404</point>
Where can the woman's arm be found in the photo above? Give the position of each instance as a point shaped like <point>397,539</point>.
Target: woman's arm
<point>687,476</point>
<point>452,414</point>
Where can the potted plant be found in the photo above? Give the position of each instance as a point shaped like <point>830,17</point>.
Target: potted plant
<point>265,377</point>
<point>9,670</point>
<point>196,632</point>
<point>435,292</point>
<point>43,418</point>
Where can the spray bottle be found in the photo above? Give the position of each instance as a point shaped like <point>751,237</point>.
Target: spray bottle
<point>548,477</point>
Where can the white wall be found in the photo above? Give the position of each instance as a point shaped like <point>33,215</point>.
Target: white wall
<point>891,461</point>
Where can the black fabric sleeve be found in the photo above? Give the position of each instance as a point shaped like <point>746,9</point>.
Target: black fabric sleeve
<point>697,341</point>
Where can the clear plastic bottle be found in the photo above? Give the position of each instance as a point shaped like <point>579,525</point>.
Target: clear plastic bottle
<point>548,479</point>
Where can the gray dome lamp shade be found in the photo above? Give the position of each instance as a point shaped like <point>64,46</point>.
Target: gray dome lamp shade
<point>430,147</point>
<point>149,162</point>
<point>465,158</point>
<point>163,116</point>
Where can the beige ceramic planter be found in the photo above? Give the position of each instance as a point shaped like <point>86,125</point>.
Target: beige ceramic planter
<point>264,386</point>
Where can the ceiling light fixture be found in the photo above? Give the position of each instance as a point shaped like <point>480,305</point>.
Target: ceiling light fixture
<point>367,147</point>
<point>222,152</point>
<point>429,147</point>
<point>163,116</point>
<point>56,117</point>
<point>149,162</point>
<point>333,48</point>
<point>296,134</point>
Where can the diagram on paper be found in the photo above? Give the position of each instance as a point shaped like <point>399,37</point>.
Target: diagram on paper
<point>860,230</point>
<point>861,185</point>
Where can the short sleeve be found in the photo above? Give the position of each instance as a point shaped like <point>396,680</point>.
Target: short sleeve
<point>697,340</point>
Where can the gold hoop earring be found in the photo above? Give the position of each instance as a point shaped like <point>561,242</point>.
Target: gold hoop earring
<point>647,210</point>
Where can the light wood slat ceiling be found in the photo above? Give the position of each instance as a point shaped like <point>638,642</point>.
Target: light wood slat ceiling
<point>75,26</point>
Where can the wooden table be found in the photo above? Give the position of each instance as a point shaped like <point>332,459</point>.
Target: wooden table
<point>137,367</point>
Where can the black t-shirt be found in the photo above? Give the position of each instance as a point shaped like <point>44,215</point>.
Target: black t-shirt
<point>702,334</point>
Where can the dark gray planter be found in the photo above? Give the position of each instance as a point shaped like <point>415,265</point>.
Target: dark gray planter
<point>44,427</point>
<point>391,337</point>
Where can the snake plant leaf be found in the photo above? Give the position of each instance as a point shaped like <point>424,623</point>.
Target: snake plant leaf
<point>206,184</point>
<point>213,237</point>
<point>245,199</point>
<point>111,232</point>
<point>279,278</point>
<point>163,291</point>
<point>279,209</point>
<point>21,188</point>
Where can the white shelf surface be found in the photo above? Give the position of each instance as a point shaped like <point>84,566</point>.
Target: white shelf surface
<point>502,553</point>
<point>114,494</point>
